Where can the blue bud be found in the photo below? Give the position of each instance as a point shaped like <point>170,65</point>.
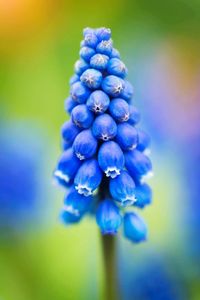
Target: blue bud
<point>108,217</point>
<point>116,67</point>
<point>69,104</point>
<point>98,101</point>
<point>103,33</point>
<point>90,40</point>
<point>69,131</point>
<point>143,141</point>
<point>86,53</point>
<point>127,92</point>
<point>79,92</point>
<point>88,177</point>
<point>80,66</point>
<point>119,110</point>
<point>82,116</point>
<point>105,47</point>
<point>113,85</point>
<point>67,166</point>
<point>143,194</point>
<point>65,145</point>
<point>127,136</point>
<point>85,144</point>
<point>99,61</point>
<point>88,30</point>
<point>115,53</point>
<point>134,117</point>
<point>122,189</point>
<point>67,218</point>
<point>134,228</point>
<point>92,78</point>
<point>104,127</point>
<point>138,165</point>
<point>77,204</point>
<point>111,159</point>
<point>74,79</point>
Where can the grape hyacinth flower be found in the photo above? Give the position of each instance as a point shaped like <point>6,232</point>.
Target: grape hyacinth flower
<point>104,161</point>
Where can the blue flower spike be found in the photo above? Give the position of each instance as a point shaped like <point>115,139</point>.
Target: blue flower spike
<point>105,154</point>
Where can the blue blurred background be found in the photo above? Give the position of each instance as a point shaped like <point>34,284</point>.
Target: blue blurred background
<point>159,41</point>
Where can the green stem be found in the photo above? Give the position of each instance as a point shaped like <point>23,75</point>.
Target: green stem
<point>109,257</point>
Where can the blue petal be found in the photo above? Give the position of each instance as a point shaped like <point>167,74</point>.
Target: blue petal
<point>113,85</point>
<point>69,131</point>
<point>67,166</point>
<point>134,228</point>
<point>88,177</point>
<point>98,102</point>
<point>69,104</point>
<point>143,140</point>
<point>88,30</point>
<point>138,164</point>
<point>80,66</point>
<point>86,53</point>
<point>67,218</point>
<point>74,79</point>
<point>82,116</point>
<point>79,92</point>
<point>92,78</point>
<point>99,61</point>
<point>127,92</point>
<point>90,39</point>
<point>116,67</point>
<point>119,109</point>
<point>127,136</point>
<point>105,47</point>
<point>122,189</point>
<point>111,159</point>
<point>108,217</point>
<point>134,116</point>
<point>104,127</point>
<point>103,34</point>
<point>143,194</point>
<point>85,144</point>
<point>115,53</point>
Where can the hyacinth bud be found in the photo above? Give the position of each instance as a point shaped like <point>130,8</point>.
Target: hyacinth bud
<point>86,53</point>
<point>77,204</point>
<point>82,116</point>
<point>88,177</point>
<point>134,228</point>
<point>104,127</point>
<point>69,104</point>
<point>67,166</point>
<point>127,92</point>
<point>80,66</point>
<point>143,194</point>
<point>98,102</point>
<point>99,61</point>
<point>138,165</point>
<point>99,139</point>
<point>122,189</point>
<point>116,67</point>
<point>134,116</point>
<point>85,144</point>
<point>119,110</point>
<point>127,136</point>
<point>69,131</point>
<point>103,33</point>
<point>143,141</point>
<point>92,78</point>
<point>111,159</point>
<point>79,92</point>
<point>113,85</point>
<point>105,47</point>
<point>108,217</point>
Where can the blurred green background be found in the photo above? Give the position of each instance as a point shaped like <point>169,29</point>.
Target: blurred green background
<point>159,42</point>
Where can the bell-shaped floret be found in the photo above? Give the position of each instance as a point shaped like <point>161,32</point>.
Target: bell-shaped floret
<point>104,127</point>
<point>127,136</point>
<point>85,144</point>
<point>82,116</point>
<point>134,228</point>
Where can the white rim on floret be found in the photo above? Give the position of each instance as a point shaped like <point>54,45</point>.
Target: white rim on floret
<point>147,151</point>
<point>112,172</point>
<point>132,147</point>
<point>129,200</point>
<point>105,137</point>
<point>83,189</point>
<point>70,209</point>
<point>125,118</point>
<point>80,156</point>
<point>147,176</point>
<point>61,175</point>
<point>97,108</point>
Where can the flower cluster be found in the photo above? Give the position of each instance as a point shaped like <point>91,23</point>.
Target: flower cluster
<point>105,161</point>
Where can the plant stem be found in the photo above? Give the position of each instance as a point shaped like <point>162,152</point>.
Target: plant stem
<point>109,257</point>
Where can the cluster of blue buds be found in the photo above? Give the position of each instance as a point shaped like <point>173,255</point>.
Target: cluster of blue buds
<point>105,161</point>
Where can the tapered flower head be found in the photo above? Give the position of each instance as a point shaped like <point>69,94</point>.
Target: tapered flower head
<point>105,154</point>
